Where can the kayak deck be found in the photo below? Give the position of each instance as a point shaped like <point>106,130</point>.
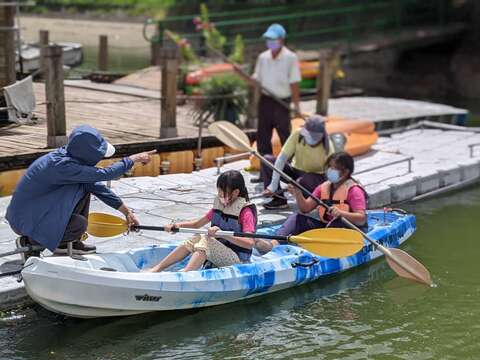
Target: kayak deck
<point>112,284</point>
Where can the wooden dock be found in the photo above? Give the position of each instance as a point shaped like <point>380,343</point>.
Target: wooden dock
<point>127,121</point>
<point>129,117</point>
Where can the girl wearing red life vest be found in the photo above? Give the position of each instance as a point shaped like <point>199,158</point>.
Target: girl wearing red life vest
<point>345,197</point>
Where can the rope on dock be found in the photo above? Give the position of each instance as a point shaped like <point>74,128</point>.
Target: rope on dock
<point>181,97</point>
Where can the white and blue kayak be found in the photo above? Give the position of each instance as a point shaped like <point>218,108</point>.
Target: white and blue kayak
<point>112,284</point>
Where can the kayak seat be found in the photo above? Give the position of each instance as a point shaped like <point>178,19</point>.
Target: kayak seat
<point>117,262</point>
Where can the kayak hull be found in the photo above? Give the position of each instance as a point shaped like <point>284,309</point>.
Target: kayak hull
<point>111,284</point>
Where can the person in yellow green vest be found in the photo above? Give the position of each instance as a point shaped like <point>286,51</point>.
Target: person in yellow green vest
<point>303,157</point>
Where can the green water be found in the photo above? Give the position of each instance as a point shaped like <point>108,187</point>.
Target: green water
<point>368,313</point>
<point>120,59</point>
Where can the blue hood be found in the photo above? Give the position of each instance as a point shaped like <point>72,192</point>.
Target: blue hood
<point>86,145</point>
<point>48,192</point>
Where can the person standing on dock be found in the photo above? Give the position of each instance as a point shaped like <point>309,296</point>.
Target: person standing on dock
<point>278,71</point>
<point>50,204</point>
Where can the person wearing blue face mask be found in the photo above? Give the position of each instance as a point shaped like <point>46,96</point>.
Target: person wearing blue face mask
<point>277,69</point>
<point>303,157</point>
<point>342,193</point>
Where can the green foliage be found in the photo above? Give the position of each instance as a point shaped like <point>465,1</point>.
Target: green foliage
<point>158,8</point>
<point>212,36</point>
<point>237,54</point>
<point>186,51</point>
<point>225,97</point>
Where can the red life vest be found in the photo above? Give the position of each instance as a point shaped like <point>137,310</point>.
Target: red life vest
<point>338,199</point>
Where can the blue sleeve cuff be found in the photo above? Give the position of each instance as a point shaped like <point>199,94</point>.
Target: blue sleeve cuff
<point>128,162</point>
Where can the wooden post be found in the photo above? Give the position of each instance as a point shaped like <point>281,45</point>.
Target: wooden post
<point>156,45</point>
<point>44,41</point>
<point>168,112</point>
<point>254,93</point>
<point>324,81</point>
<point>103,53</point>
<point>7,44</point>
<point>55,96</point>
<point>155,53</point>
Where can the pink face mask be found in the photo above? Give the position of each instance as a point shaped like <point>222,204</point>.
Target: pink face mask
<point>223,201</point>
<point>273,44</point>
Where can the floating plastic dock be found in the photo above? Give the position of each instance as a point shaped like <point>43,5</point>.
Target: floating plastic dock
<point>416,163</point>
<point>390,113</point>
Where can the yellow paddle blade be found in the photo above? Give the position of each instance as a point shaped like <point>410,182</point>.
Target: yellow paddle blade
<point>230,135</point>
<point>105,225</point>
<point>330,242</point>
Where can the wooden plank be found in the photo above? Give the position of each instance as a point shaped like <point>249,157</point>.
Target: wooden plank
<point>23,160</point>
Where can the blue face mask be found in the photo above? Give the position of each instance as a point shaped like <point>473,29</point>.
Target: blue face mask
<point>273,44</point>
<point>333,175</point>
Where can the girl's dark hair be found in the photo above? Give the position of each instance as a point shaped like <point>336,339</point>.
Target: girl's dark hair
<point>232,180</point>
<point>342,160</point>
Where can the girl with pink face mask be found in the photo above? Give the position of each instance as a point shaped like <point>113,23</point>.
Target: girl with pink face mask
<point>231,211</point>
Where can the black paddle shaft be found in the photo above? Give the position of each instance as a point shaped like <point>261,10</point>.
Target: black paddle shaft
<point>317,200</point>
<point>233,233</point>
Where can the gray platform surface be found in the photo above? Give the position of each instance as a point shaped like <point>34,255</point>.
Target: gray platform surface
<point>441,158</point>
<point>380,109</point>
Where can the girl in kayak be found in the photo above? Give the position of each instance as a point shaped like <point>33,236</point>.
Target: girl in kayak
<point>342,193</point>
<point>231,211</point>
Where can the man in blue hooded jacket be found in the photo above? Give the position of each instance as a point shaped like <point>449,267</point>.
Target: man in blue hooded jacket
<point>50,204</point>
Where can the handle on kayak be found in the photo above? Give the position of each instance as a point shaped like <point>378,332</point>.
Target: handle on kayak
<point>309,264</point>
<point>205,232</point>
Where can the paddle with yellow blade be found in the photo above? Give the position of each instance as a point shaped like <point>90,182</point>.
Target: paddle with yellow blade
<point>402,263</point>
<point>332,243</point>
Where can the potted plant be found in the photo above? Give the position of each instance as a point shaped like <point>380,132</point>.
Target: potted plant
<point>223,97</point>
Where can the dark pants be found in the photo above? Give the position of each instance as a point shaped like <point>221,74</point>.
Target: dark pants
<point>308,180</point>
<point>272,115</point>
<point>77,225</point>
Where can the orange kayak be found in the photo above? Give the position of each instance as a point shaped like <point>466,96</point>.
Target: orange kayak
<point>195,77</point>
<point>360,136</point>
<point>308,70</point>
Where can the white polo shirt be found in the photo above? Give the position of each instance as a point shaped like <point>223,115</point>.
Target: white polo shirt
<point>277,74</point>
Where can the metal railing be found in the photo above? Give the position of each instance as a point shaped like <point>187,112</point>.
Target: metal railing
<point>222,160</point>
<point>339,20</point>
<point>409,160</point>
